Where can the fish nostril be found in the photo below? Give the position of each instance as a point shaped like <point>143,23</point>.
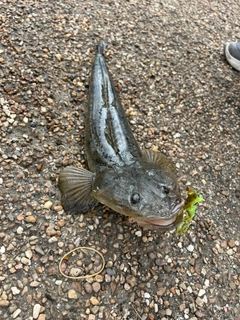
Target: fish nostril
<point>166,190</point>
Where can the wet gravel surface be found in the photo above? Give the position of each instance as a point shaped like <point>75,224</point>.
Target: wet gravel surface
<point>181,97</point>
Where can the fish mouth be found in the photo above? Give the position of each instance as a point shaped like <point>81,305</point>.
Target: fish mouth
<point>166,224</point>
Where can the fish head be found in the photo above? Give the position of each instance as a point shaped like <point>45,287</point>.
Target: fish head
<point>147,194</point>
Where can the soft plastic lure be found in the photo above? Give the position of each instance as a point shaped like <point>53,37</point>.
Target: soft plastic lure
<point>190,207</point>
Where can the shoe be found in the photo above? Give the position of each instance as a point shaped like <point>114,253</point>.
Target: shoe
<point>232,53</point>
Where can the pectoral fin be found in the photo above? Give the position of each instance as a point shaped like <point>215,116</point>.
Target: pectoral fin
<point>76,187</point>
<point>159,159</point>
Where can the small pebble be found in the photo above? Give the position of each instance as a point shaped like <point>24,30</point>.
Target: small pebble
<point>36,310</point>
<point>94,301</point>
<point>201,292</point>
<point>47,205</point>
<point>28,254</point>
<point>15,290</point>
<point>25,261</point>
<point>96,286</point>
<point>147,295</point>
<point>190,248</point>
<point>16,313</point>
<point>31,219</point>
<point>72,294</point>
<point>4,303</point>
<point>19,230</point>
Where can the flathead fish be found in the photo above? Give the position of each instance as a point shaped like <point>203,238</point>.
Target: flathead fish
<point>141,184</point>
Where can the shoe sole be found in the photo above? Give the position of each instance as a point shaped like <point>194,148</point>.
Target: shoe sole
<point>232,61</point>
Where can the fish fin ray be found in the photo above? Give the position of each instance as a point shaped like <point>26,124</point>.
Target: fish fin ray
<point>159,159</point>
<point>76,188</point>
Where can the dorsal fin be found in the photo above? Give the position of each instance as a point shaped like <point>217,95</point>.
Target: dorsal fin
<point>159,159</point>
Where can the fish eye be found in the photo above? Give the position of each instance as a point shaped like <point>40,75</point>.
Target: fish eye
<point>135,198</point>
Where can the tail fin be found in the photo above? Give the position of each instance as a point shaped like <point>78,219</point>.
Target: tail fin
<point>101,47</point>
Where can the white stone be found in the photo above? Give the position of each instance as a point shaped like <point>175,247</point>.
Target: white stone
<point>36,310</point>
<point>15,290</point>
<point>138,233</point>
<point>206,283</point>
<point>177,135</point>
<point>16,313</point>
<point>28,254</point>
<point>2,250</point>
<point>189,289</point>
<point>19,230</point>
<point>201,292</point>
<point>168,312</point>
<point>180,244</point>
<point>190,248</point>
<point>147,295</point>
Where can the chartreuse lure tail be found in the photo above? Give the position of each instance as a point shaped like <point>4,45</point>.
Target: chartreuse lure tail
<point>190,208</point>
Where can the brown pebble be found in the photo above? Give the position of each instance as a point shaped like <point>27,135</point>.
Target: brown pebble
<point>224,244</point>
<point>113,287</point>
<point>77,286</point>
<point>4,303</point>
<point>20,217</point>
<point>131,280</point>
<point>61,223</point>
<point>161,291</point>
<point>57,208</point>
<point>31,219</point>
<point>50,231</point>
<point>173,290</point>
<point>231,243</point>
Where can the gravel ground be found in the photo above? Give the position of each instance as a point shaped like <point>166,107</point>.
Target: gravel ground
<point>181,97</point>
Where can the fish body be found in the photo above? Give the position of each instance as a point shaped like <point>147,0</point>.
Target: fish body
<point>136,183</point>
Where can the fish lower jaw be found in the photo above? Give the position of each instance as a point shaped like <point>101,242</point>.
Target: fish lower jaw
<point>160,224</point>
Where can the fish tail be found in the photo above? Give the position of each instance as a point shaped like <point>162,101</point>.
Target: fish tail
<point>101,47</point>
